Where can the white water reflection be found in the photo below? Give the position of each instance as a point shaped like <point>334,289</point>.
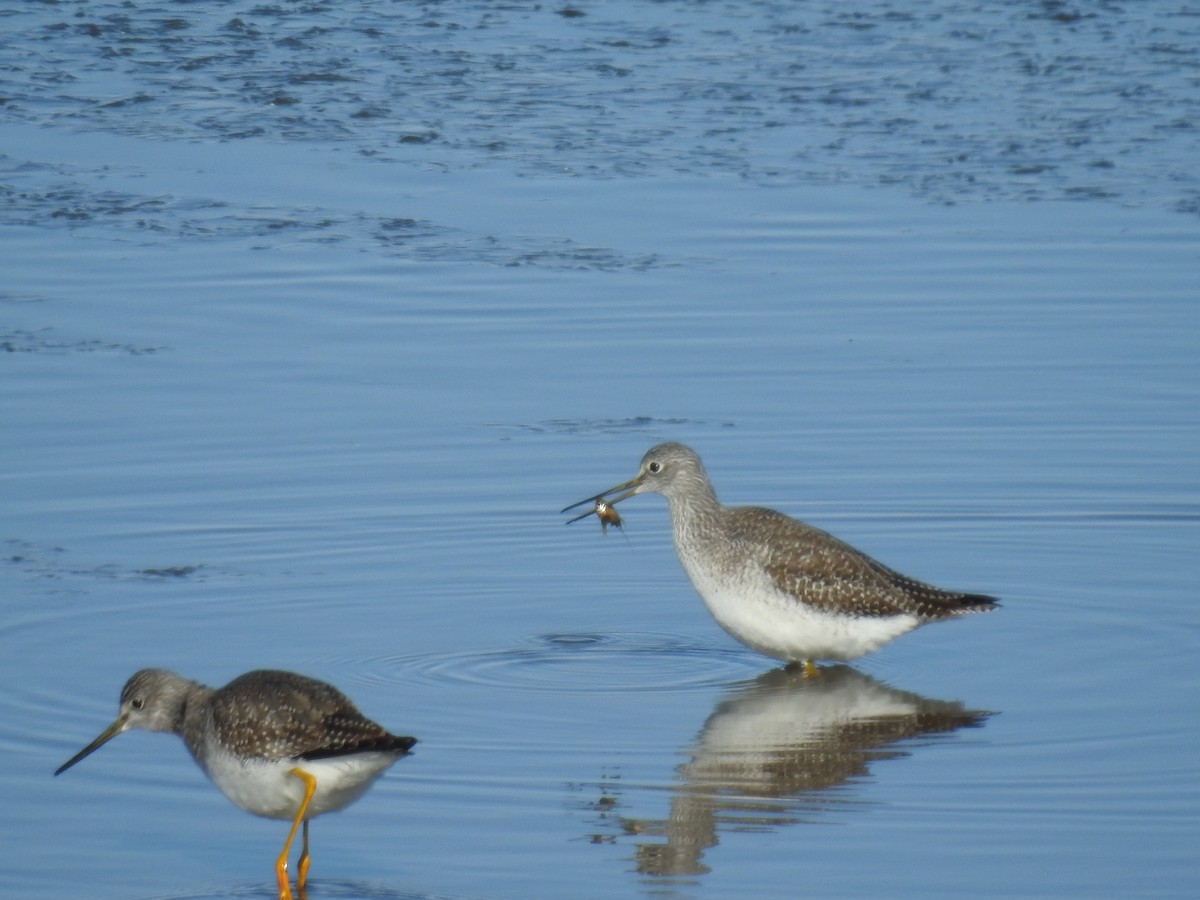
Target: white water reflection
<point>774,752</point>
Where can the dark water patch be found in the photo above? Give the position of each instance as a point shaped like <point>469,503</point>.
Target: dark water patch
<point>45,340</point>
<point>26,554</point>
<point>74,202</point>
<point>49,562</point>
<point>570,256</point>
<point>79,204</point>
<point>632,424</point>
<point>770,91</point>
<point>169,572</point>
<point>574,639</point>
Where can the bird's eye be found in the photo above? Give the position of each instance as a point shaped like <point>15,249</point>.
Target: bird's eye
<point>137,703</point>
<point>655,467</point>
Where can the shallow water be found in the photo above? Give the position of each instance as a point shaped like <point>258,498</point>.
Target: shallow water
<point>316,315</point>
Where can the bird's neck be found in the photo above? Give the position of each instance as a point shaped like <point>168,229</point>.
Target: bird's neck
<point>191,716</point>
<point>694,511</point>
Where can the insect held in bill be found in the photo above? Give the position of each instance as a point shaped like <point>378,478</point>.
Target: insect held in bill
<point>608,515</point>
<point>604,511</point>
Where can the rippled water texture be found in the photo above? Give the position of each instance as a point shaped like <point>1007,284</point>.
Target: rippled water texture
<point>314,315</point>
<point>951,101</point>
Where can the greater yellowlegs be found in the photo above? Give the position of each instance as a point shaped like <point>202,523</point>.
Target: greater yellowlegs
<point>783,588</point>
<point>277,744</point>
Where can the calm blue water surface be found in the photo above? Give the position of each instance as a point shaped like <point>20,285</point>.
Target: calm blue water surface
<point>314,316</point>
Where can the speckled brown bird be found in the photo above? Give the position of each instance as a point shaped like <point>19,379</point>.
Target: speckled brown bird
<point>781,587</point>
<point>277,744</point>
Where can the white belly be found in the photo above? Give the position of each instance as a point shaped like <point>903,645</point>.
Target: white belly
<point>775,624</point>
<point>269,789</point>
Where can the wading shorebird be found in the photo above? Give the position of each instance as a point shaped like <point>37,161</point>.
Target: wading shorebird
<point>781,587</point>
<point>277,744</point>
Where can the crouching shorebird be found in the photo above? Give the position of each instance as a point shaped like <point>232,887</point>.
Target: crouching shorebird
<point>783,588</point>
<point>277,744</point>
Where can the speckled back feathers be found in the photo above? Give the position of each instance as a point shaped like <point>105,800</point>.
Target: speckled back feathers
<point>276,715</point>
<point>829,574</point>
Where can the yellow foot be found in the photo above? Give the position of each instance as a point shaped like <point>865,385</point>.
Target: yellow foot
<point>301,873</point>
<point>805,668</point>
<point>285,892</point>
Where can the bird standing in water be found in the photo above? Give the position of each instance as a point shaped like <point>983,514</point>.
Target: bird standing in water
<point>277,744</point>
<point>781,587</point>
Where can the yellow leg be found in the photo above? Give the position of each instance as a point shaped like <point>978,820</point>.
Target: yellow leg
<point>310,785</point>
<point>302,863</point>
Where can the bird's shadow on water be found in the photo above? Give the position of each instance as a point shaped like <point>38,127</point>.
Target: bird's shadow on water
<point>773,752</point>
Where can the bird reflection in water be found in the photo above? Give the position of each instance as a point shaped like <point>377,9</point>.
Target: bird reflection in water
<point>769,750</point>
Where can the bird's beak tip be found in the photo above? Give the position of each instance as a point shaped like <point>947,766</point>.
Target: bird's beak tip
<point>104,737</point>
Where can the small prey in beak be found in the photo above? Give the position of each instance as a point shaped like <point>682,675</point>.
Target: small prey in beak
<point>604,505</point>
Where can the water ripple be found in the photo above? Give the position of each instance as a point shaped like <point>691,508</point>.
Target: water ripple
<point>577,662</point>
<point>961,101</point>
